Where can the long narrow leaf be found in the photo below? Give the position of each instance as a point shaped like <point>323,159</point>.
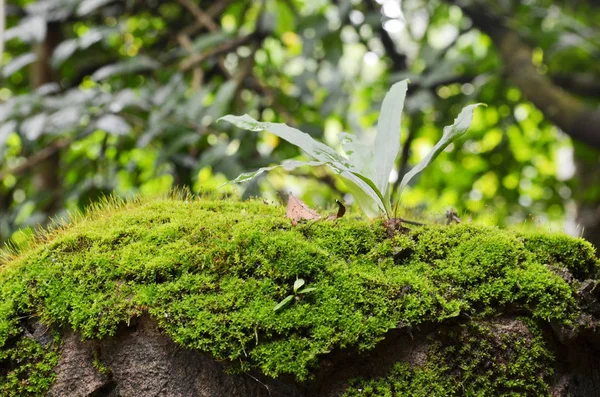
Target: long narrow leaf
<point>367,198</point>
<point>315,149</point>
<point>289,165</point>
<point>18,63</point>
<point>284,303</point>
<point>365,201</point>
<point>360,155</point>
<point>131,65</point>
<point>222,99</point>
<point>31,29</point>
<point>386,203</point>
<point>306,290</point>
<point>387,141</point>
<point>450,134</point>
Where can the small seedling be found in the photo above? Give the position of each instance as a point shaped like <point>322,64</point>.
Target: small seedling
<point>366,168</point>
<point>297,295</point>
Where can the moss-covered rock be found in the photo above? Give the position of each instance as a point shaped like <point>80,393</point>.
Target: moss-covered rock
<point>209,272</point>
<point>482,358</point>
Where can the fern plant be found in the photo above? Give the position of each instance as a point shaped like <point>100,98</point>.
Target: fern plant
<point>365,168</point>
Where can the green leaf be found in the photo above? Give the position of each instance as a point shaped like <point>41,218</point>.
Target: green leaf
<point>285,18</point>
<point>33,127</point>
<point>360,155</point>
<point>68,47</point>
<point>208,40</point>
<point>289,165</point>
<point>298,284</point>
<point>31,29</point>
<point>450,134</point>
<point>63,51</point>
<point>113,124</point>
<point>284,303</point>
<point>366,203</point>
<point>306,290</point>
<point>365,193</point>
<point>132,65</point>
<point>6,129</point>
<point>387,141</point>
<point>315,149</point>
<point>223,98</point>
<point>18,63</point>
<point>319,151</point>
<point>386,202</point>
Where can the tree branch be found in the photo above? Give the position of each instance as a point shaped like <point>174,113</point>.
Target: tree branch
<point>584,84</point>
<point>461,79</point>
<point>566,111</point>
<point>229,46</point>
<point>217,8</point>
<point>206,20</point>
<point>398,59</point>
<point>203,18</point>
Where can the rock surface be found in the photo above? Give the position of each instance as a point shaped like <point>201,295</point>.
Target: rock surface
<point>141,361</point>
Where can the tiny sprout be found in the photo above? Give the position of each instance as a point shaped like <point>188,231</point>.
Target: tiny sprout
<point>298,292</point>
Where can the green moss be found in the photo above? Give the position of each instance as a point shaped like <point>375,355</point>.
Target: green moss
<point>210,273</point>
<point>559,250</point>
<point>478,359</point>
<point>26,366</point>
<point>101,367</point>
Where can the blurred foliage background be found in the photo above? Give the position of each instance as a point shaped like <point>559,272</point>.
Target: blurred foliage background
<point>102,96</point>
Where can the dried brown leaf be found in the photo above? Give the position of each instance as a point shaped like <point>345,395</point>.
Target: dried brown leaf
<point>297,210</point>
<point>340,213</point>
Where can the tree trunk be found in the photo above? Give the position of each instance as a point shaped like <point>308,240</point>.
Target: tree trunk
<point>587,196</point>
<point>46,175</point>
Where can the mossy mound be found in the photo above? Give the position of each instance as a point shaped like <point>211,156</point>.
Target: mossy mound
<point>211,271</point>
